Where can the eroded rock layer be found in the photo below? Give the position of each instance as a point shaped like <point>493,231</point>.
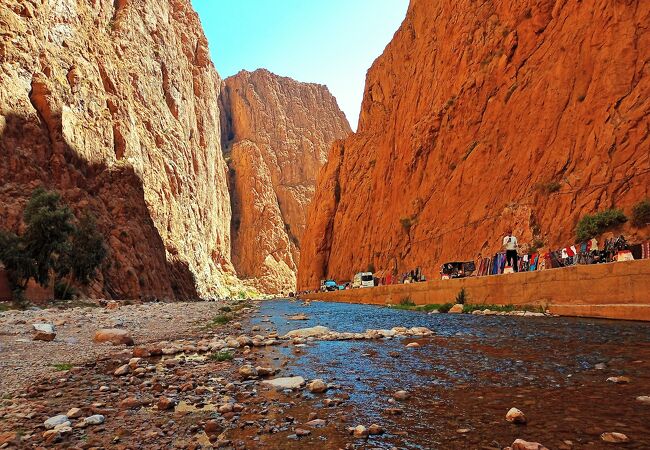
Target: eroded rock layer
<point>276,132</point>
<point>484,115</point>
<point>114,104</point>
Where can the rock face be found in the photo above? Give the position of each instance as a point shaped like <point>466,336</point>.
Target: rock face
<point>276,134</point>
<point>480,116</point>
<point>114,104</point>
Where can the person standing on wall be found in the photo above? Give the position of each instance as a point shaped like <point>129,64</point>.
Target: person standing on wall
<point>510,246</point>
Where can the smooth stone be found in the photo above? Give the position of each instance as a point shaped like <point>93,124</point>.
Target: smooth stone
<point>285,382</point>
<point>54,421</point>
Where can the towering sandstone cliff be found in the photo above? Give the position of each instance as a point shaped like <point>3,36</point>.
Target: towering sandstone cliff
<point>472,118</point>
<point>276,132</point>
<point>115,105</point>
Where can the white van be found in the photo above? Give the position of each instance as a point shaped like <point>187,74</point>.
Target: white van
<point>363,280</point>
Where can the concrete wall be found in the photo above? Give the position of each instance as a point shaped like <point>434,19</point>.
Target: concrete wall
<point>617,290</point>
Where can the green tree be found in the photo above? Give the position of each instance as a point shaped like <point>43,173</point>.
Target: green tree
<point>53,244</point>
<point>49,226</point>
<point>84,252</point>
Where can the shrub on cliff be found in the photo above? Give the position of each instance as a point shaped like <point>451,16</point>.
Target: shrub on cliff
<point>641,213</point>
<point>53,244</point>
<point>591,225</point>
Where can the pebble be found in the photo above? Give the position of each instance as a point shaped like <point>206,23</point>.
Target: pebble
<point>247,372</point>
<point>316,423</point>
<point>375,429</point>
<point>412,345</point>
<point>360,432</point>
<point>514,415</point>
<point>644,399</point>
<point>619,380</point>
<point>520,444</point>
<point>96,419</point>
<point>401,395</point>
<point>614,438</point>
<point>54,421</point>
<point>43,332</point>
<point>122,370</point>
<point>317,386</point>
<point>74,413</point>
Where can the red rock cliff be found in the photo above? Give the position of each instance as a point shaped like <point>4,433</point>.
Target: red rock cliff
<point>276,132</point>
<point>114,104</point>
<point>473,117</point>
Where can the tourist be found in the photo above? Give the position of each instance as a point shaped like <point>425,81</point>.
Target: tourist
<point>510,246</point>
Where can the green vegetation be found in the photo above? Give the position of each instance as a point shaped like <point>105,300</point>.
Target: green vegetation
<point>4,307</point>
<point>468,309</point>
<point>407,305</point>
<point>225,309</point>
<point>461,297</point>
<point>221,356</point>
<point>536,245</point>
<point>63,366</point>
<point>406,223</point>
<point>549,187</point>
<point>221,319</point>
<point>54,244</point>
<point>63,291</point>
<point>641,213</point>
<point>591,225</point>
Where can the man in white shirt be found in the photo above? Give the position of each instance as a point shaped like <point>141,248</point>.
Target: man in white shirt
<point>510,245</point>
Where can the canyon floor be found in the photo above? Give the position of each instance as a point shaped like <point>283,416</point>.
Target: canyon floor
<point>198,377</point>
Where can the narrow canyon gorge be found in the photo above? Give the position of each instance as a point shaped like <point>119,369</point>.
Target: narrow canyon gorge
<point>475,119</point>
<point>276,134</point>
<point>118,106</point>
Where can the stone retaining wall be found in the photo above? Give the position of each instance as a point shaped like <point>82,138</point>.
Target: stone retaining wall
<point>615,290</point>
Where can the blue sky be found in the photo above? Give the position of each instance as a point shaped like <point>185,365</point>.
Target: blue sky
<point>331,42</point>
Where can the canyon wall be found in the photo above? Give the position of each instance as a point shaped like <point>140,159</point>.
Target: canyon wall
<point>479,116</point>
<point>276,134</point>
<point>115,105</point>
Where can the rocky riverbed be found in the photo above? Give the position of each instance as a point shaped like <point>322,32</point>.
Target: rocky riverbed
<point>281,374</point>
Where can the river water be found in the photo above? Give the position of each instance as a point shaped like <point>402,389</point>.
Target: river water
<point>464,378</point>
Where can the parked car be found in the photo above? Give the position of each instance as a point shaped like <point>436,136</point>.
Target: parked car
<point>363,280</point>
<point>328,285</point>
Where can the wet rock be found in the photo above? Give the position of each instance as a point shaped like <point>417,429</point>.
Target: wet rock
<point>412,345</point>
<point>56,421</point>
<point>298,317</point>
<point>302,432</point>
<point>7,437</point>
<point>644,399</point>
<point>43,332</point>
<point>514,415</point>
<point>520,444</point>
<point>247,372</point>
<point>359,432</point>
<point>308,332</point>
<point>394,411</point>
<point>96,419</point>
<point>401,395</point>
<point>420,331</point>
<point>74,413</point>
<point>227,408</point>
<point>122,370</point>
<point>619,380</point>
<point>264,371</point>
<point>316,423</point>
<point>317,386</point>
<point>600,366</point>
<point>113,335</point>
<point>285,382</point>
<point>614,438</point>
<point>456,309</point>
<point>375,430</point>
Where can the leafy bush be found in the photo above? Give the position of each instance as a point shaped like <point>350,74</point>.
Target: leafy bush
<point>461,297</point>
<point>221,356</point>
<point>63,366</point>
<point>591,225</point>
<point>63,291</point>
<point>221,319</point>
<point>550,187</point>
<point>445,308</point>
<point>641,213</point>
<point>406,301</point>
<point>406,223</point>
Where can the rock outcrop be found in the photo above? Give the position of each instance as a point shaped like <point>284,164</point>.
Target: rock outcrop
<point>115,105</point>
<point>276,133</point>
<point>484,115</point>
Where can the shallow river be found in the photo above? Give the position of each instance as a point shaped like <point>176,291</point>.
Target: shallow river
<point>464,379</point>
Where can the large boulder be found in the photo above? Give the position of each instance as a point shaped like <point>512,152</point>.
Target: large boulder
<point>113,335</point>
<point>316,331</point>
<point>456,309</point>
